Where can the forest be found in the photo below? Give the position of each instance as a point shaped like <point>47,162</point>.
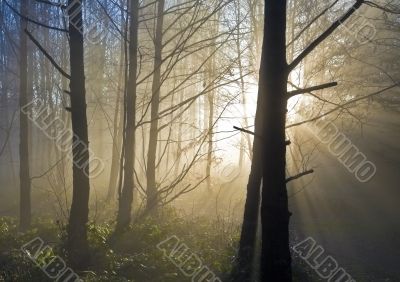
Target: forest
<point>200,140</point>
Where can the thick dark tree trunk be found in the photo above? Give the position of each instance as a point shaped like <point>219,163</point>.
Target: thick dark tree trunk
<point>152,198</point>
<point>77,244</point>
<point>269,162</point>
<point>126,197</point>
<point>25,183</point>
<point>275,252</point>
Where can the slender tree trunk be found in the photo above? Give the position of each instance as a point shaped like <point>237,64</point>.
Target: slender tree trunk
<point>117,128</point>
<point>98,89</point>
<point>179,135</point>
<point>210,99</point>
<point>151,192</point>
<point>210,72</point>
<point>25,183</point>
<point>124,111</point>
<point>242,271</point>
<point>65,117</point>
<point>126,197</point>
<point>46,80</point>
<point>244,138</point>
<point>77,228</point>
<point>275,252</point>
<point>255,12</point>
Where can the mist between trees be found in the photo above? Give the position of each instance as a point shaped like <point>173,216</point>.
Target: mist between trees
<point>125,117</point>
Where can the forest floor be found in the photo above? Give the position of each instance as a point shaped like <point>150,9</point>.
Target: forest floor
<point>136,256</point>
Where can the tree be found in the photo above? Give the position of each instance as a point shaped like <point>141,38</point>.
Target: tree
<point>275,253</point>
<point>79,215</point>
<point>155,105</point>
<point>126,195</point>
<point>25,182</point>
<point>118,118</point>
<point>271,146</point>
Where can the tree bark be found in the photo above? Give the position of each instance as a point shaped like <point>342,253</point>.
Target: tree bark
<point>77,244</point>
<point>275,252</point>
<point>268,165</point>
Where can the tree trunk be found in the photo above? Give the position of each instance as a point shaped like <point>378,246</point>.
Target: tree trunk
<point>126,197</point>
<point>244,138</point>
<point>242,272</point>
<point>117,128</point>
<point>210,76</point>
<point>77,230</point>
<point>269,162</point>
<point>116,145</point>
<point>210,99</point>
<point>25,182</point>
<point>275,252</point>
<point>151,192</point>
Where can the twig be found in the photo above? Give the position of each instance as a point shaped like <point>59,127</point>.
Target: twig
<point>299,175</point>
<point>246,131</point>
<point>287,142</point>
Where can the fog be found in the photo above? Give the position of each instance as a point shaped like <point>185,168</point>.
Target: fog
<point>173,140</point>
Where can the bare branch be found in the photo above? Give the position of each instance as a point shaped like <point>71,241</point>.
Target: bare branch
<point>121,33</point>
<point>324,35</point>
<point>48,170</point>
<point>33,21</point>
<point>310,23</point>
<point>245,131</point>
<point>314,88</point>
<point>343,105</point>
<point>299,175</point>
<point>50,58</point>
